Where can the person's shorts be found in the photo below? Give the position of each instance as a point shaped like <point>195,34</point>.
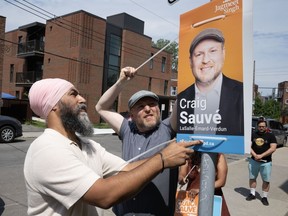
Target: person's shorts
<point>256,167</point>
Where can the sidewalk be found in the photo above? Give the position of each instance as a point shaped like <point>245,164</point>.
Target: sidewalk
<point>237,188</point>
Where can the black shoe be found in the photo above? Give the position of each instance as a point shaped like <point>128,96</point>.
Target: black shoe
<point>264,201</point>
<point>250,197</point>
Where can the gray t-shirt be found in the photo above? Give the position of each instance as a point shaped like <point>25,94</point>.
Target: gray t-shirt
<point>158,197</point>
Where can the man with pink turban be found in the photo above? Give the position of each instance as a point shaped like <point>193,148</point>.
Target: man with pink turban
<point>66,174</point>
<point>41,100</point>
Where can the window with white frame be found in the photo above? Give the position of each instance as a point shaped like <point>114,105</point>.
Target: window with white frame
<point>173,91</point>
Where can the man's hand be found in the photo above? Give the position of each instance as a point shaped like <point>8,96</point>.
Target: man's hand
<point>258,157</point>
<point>127,73</point>
<point>176,154</point>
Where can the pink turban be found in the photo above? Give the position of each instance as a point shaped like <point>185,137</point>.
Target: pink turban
<point>45,94</point>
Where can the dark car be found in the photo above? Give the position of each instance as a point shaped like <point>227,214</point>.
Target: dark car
<point>286,128</point>
<point>10,128</point>
<point>274,127</point>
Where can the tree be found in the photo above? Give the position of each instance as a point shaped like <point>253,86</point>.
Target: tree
<point>270,108</point>
<point>258,106</point>
<point>172,48</point>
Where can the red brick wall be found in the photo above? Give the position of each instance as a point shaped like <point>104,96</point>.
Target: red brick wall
<point>2,36</point>
<point>136,49</point>
<point>10,57</point>
<point>86,47</point>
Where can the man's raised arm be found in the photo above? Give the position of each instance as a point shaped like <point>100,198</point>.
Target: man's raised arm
<point>105,103</point>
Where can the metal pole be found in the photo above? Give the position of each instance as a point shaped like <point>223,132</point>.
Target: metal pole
<point>207,184</point>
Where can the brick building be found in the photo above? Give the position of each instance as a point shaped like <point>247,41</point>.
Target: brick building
<point>89,51</point>
<point>2,36</point>
<point>283,99</point>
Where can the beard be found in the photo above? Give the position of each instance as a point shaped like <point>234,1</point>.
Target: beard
<point>76,120</point>
<point>145,126</point>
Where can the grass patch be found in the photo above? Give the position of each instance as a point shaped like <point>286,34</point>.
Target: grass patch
<point>36,123</point>
<point>101,125</point>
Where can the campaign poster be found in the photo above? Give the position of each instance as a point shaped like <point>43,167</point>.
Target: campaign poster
<point>215,73</point>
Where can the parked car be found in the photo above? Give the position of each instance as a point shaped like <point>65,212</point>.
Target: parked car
<point>10,128</point>
<point>286,128</point>
<point>274,127</point>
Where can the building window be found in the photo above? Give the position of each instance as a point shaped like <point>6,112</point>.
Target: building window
<point>172,104</point>
<point>114,59</point>
<point>115,45</point>
<point>165,87</point>
<point>150,83</point>
<point>21,48</point>
<point>11,73</point>
<point>20,39</point>
<point>112,75</point>
<point>173,91</point>
<point>151,62</point>
<point>163,64</point>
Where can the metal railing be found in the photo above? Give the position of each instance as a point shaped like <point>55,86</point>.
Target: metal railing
<point>31,47</point>
<point>28,77</point>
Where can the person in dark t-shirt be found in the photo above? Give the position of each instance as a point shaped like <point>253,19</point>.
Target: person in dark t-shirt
<point>263,146</point>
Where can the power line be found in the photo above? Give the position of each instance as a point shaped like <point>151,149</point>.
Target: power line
<point>76,60</point>
<point>154,13</point>
<point>59,22</point>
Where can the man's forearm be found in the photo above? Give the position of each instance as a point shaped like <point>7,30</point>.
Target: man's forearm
<point>107,192</point>
<point>108,98</point>
<point>269,151</point>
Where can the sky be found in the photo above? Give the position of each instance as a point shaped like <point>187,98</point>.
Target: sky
<point>270,28</point>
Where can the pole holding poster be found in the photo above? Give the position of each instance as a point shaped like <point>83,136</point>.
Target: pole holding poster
<point>215,73</point>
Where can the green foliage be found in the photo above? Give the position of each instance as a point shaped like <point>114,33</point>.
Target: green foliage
<point>258,107</point>
<point>101,125</point>
<point>270,108</point>
<point>36,123</point>
<point>172,48</point>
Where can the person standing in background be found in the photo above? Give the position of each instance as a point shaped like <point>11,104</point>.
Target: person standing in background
<point>264,144</point>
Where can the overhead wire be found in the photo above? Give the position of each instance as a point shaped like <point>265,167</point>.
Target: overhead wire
<point>80,29</point>
<point>60,21</point>
<point>154,13</point>
<point>68,58</point>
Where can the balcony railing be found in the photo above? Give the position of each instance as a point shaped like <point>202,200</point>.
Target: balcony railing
<point>29,77</point>
<point>31,47</point>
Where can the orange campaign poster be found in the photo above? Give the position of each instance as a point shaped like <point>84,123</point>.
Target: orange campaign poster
<point>214,76</point>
